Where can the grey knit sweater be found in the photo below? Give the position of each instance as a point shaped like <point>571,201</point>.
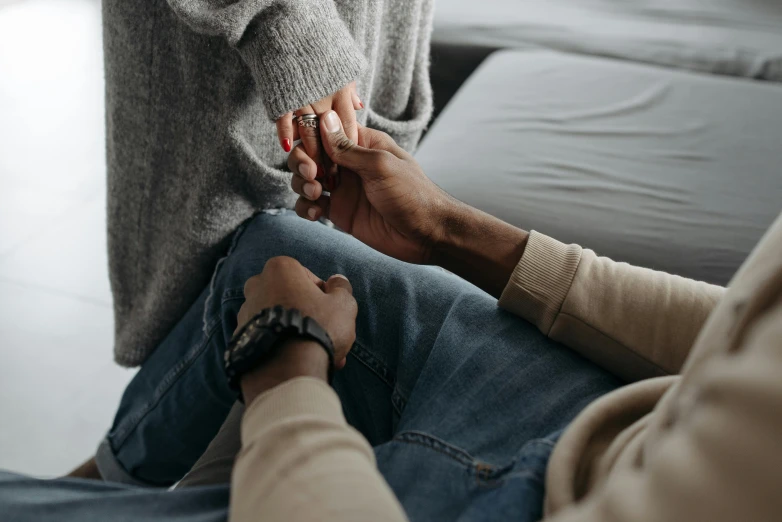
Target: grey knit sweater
<point>192,88</point>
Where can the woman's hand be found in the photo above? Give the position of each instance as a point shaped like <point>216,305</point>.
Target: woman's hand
<point>345,102</point>
<point>384,199</point>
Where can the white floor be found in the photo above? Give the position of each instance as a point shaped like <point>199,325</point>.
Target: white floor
<point>58,385</point>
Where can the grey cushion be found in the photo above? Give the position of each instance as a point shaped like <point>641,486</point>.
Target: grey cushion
<point>661,168</point>
<point>733,37</point>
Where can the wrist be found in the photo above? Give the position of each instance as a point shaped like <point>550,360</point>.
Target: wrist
<point>447,218</point>
<point>478,247</point>
<point>451,230</point>
<point>296,357</point>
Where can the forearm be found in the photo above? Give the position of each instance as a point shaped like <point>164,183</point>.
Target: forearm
<point>635,322</point>
<point>478,247</point>
<point>300,460</point>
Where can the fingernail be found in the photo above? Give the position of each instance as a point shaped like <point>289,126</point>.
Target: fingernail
<point>361,104</point>
<point>312,212</point>
<point>309,190</point>
<point>305,169</point>
<point>286,144</point>
<point>331,121</point>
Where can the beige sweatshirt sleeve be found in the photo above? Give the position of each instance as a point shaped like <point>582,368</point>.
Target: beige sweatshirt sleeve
<point>301,461</point>
<point>721,462</point>
<point>635,322</point>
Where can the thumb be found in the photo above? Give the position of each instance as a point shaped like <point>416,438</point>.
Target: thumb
<point>342,150</point>
<point>338,282</point>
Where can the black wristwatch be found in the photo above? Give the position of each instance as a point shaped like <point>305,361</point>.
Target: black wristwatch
<point>260,339</point>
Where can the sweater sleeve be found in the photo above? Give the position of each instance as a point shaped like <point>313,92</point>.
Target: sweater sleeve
<point>298,51</point>
<point>635,322</point>
<point>301,461</point>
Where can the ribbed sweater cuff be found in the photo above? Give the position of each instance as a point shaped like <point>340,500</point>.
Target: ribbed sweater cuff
<point>541,280</point>
<point>303,396</point>
<point>299,54</point>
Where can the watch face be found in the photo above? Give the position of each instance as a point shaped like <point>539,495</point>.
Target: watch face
<point>258,337</point>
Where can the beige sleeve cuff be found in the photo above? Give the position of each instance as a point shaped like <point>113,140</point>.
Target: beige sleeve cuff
<point>541,281</point>
<point>634,322</point>
<point>300,397</point>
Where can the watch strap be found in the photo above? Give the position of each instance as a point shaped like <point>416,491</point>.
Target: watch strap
<point>261,338</point>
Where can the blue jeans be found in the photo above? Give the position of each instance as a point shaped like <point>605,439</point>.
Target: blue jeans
<point>462,401</point>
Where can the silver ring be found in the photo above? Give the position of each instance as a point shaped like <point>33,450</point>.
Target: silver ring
<point>308,120</point>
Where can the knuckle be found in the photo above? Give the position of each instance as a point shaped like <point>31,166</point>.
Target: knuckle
<point>343,144</point>
<point>341,285</point>
<point>293,159</point>
<point>342,293</point>
<point>301,207</point>
<point>384,139</point>
<point>284,124</point>
<point>348,304</point>
<point>297,185</point>
<point>280,263</point>
<point>251,284</point>
<point>309,132</point>
<point>382,162</point>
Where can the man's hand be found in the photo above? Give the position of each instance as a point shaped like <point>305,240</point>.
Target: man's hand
<point>386,201</point>
<point>284,281</point>
<point>384,198</point>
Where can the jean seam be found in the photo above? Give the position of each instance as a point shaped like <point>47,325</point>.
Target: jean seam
<point>486,474</point>
<point>365,356</point>
<point>398,401</point>
<point>381,370</point>
<point>490,475</point>
<point>166,384</point>
<point>436,444</point>
<point>232,293</point>
<point>213,281</point>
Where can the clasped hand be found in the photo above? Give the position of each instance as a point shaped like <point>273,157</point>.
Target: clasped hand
<point>384,200</point>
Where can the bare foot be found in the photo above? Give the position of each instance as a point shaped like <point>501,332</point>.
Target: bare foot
<point>88,470</point>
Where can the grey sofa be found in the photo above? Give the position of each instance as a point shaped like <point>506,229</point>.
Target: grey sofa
<point>648,131</point>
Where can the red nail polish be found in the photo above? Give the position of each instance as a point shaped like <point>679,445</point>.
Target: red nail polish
<point>361,103</point>
<point>286,144</point>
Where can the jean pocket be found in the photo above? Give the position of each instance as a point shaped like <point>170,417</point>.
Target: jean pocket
<point>530,462</point>
<point>435,480</point>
